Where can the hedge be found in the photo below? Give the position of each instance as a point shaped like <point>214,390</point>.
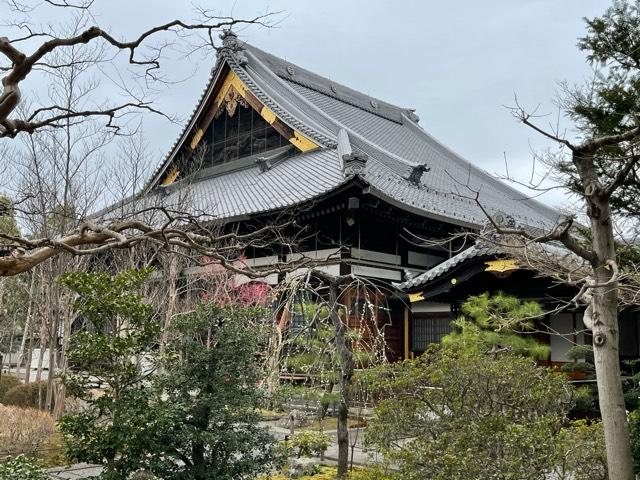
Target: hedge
<point>26,394</point>
<point>7,382</point>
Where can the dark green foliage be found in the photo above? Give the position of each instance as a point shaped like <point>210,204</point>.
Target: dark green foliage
<point>631,390</point>
<point>196,420</point>
<point>7,382</point>
<point>119,331</point>
<point>210,390</point>
<point>586,405</point>
<point>106,300</point>
<point>631,385</point>
<point>609,103</point>
<point>115,351</point>
<point>26,395</point>
<point>634,431</point>
<point>586,396</point>
<point>494,323</point>
<point>582,358</point>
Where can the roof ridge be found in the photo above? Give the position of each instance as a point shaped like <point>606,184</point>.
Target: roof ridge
<point>337,123</point>
<point>291,72</point>
<point>323,137</point>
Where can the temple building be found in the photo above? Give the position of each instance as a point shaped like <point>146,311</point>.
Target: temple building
<point>378,196</point>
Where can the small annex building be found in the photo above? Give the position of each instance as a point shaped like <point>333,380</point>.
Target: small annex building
<point>369,184</point>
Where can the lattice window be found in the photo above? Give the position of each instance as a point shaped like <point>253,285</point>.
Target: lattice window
<point>240,133</point>
<point>428,330</point>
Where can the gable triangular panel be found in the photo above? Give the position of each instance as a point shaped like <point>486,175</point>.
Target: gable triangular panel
<point>234,125</point>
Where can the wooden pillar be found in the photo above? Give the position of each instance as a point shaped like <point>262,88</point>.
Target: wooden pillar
<point>406,333</point>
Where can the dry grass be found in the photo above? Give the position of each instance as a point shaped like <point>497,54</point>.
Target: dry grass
<point>24,430</point>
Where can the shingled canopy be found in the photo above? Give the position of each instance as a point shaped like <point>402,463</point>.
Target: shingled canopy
<point>338,136</point>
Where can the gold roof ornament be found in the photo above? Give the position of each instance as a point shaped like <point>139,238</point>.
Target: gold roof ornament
<point>416,297</point>
<point>501,266</point>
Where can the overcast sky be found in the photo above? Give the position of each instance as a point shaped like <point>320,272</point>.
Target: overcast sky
<point>457,62</point>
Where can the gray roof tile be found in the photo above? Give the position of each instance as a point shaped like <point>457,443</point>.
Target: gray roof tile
<point>249,191</point>
<point>478,250</point>
<point>483,248</point>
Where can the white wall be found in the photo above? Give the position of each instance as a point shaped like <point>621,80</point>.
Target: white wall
<point>564,335</point>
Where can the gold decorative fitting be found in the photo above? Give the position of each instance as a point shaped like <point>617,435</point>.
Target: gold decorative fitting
<point>268,115</point>
<point>501,266</point>
<point>302,142</point>
<point>231,81</point>
<point>231,101</point>
<point>196,138</point>
<point>171,177</point>
<point>416,297</point>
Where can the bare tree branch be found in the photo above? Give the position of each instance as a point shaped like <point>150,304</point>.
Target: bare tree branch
<point>22,64</point>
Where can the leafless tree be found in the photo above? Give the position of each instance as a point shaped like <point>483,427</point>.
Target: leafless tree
<point>80,47</point>
<point>353,310</point>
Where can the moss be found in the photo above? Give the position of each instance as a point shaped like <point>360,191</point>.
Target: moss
<point>52,454</point>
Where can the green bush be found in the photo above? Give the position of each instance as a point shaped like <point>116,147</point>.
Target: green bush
<point>581,453</point>
<point>634,430</point>
<point>309,444</point>
<point>7,382</point>
<point>465,416</point>
<point>26,394</point>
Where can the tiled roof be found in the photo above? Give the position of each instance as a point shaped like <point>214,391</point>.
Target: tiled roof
<point>389,136</point>
<point>478,250</point>
<point>535,254</point>
<point>249,191</point>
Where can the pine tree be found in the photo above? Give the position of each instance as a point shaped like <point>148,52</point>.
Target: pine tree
<point>495,323</point>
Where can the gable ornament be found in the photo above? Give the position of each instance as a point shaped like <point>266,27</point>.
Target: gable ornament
<point>231,101</point>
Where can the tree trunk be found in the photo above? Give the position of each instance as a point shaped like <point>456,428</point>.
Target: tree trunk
<point>29,355</point>
<point>53,350</point>
<point>199,466</point>
<point>59,407</point>
<point>274,353</point>
<point>28,332</point>
<point>605,343</point>
<point>323,406</point>
<point>200,420</point>
<point>346,367</point>
<point>171,271</point>
<point>8,354</point>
